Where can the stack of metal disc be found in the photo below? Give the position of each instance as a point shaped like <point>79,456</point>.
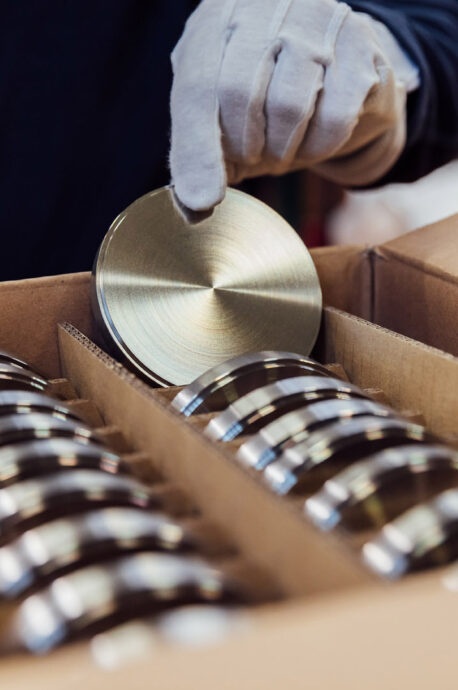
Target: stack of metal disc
<point>174,299</point>
<point>358,464</point>
<point>78,530</point>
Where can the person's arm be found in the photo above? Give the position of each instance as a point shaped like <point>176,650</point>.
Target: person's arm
<point>427,30</point>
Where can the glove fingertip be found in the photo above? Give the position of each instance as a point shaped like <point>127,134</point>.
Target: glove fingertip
<point>198,194</point>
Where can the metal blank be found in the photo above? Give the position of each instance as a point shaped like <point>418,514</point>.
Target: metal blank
<point>44,456</point>
<point>9,358</point>
<point>227,382</point>
<point>365,484</point>
<point>426,535</point>
<point>60,546</point>
<point>296,426</point>
<point>174,299</point>
<point>17,377</point>
<point>26,402</point>
<point>343,442</point>
<point>35,501</point>
<point>98,597</point>
<point>261,406</point>
<point>16,428</point>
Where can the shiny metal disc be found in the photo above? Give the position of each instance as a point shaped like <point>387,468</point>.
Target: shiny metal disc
<point>35,501</point>
<point>423,536</point>
<point>296,426</point>
<point>25,402</point>
<point>9,358</point>
<point>16,377</point>
<point>75,541</point>
<point>225,383</point>
<point>16,428</point>
<point>176,299</point>
<point>42,456</point>
<point>263,405</point>
<point>100,596</point>
<point>370,483</point>
<point>341,442</point>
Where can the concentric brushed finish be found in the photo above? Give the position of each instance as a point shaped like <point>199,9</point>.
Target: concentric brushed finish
<point>100,596</point>
<point>35,458</point>
<point>226,382</point>
<point>296,426</point>
<point>368,485</point>
<point>341,442</point>
<point>35,501</point>
<point>267,403</point>
<point>60,546</point>
<point>176,299</point>
<point>423,536</point>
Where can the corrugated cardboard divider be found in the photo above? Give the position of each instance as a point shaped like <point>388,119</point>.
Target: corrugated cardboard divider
<point>269,530</point>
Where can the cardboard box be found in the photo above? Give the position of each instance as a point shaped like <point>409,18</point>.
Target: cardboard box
<point>416,285</point>
<point>335,625</point>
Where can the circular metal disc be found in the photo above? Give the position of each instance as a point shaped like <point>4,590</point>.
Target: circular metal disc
<point>368,483</point>
<point>227,382</point>
<point>176,299</point>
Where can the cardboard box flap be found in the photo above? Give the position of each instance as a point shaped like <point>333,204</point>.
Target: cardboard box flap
<point>346,278</point>
<point>416,285</point>
<point>433,248</point>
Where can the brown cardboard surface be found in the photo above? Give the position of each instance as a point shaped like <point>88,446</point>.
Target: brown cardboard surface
<point>412,375</point>
<point>395,637</point>
<point>346,278</point>
<point>30,310</point>
<point>416,285</point>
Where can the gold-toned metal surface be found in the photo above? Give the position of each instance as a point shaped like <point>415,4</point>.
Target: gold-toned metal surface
<point>377,489</point>
<point>423,536</point>
<point>227,382</point>
<point>176,299</point>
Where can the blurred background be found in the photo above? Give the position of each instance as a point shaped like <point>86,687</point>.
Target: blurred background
<point>324,213</point>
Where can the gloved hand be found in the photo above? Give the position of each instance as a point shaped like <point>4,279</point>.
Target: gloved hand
<point>269,86</point>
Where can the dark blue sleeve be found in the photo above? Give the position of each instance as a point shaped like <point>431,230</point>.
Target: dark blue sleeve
<point>428,32</point>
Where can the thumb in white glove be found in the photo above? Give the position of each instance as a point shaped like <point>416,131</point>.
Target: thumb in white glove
<point>269,86</point>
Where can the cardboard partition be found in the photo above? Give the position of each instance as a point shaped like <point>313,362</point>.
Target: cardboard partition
<point>268,530</point>
<point>416,285</point>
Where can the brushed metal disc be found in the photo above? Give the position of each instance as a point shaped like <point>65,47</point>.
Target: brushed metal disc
<point>175,299</point>
<point>423,536</point>
<point>380,487</point>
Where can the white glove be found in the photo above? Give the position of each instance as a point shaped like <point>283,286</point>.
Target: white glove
<point>270,86</point>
